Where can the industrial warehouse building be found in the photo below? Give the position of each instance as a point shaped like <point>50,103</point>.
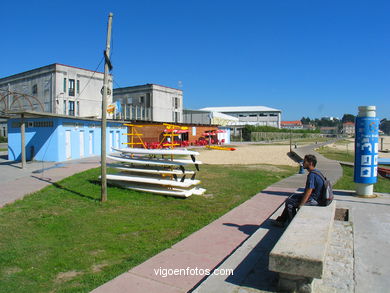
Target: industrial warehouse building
<point>252,115</point>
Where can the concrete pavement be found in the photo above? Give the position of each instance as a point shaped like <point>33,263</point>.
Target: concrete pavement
<point>203,250</point>
<point>370,219</point>
<point>16,182</point>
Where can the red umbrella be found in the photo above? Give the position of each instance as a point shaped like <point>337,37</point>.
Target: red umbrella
<point>181,131</point>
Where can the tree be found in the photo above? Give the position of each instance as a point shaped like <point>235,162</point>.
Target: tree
<point>348,118</point>
<point>385,126</point>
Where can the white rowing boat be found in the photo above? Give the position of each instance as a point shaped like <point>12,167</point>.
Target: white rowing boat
<point>156,151</point>
<point>162,190</point>
<point>153,161</point>
<point>157,181</point>
<point>153,170</point>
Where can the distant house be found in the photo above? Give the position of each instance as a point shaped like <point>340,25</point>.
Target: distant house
<point>329,130</point>
<point>349,128</point>
<point>309,126</point>
<point>291,124</point>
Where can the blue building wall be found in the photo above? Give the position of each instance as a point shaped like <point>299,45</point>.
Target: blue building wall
<point>59,139</point>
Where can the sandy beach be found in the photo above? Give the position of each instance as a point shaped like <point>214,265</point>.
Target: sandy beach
<point>248,154</point>
<point>267,154</point>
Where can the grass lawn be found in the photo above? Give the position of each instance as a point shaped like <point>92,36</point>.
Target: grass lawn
<point>346,182</point>
<point>3,149</point>
<point>62,239</point>
<point>335,154</point>
<point>297,141</point>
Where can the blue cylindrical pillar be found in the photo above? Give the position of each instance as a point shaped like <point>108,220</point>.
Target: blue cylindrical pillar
<point>366,150</point>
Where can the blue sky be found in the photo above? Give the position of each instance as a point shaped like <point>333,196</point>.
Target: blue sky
<point>307,58</point>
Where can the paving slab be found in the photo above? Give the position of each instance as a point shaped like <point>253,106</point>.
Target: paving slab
<point>128,282</point>
<point>371,234</point>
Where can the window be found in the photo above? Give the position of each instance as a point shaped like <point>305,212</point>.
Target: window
<point>78,86</point>
<point>71,108</point>
<point>64,107</point>
<point>78,108</point>
<point>148,100</point>
<point>141,100</point>
<point>43,124</point>
<point>177,103</point>
<point>64,85</point>
<point>71,87</point>
<point>35,89</point>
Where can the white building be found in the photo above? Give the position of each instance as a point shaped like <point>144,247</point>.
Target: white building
<point>208,117</point>
<point>3,127</point>
<point>57,89</point>
<point>253,115</point>
<point>150,102</point>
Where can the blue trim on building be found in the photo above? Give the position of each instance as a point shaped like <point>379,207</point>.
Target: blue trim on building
<point>59,139</point>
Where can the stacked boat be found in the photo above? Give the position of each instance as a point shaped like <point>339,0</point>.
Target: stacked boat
<point>156,171</point>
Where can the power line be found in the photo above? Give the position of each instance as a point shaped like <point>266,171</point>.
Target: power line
<point>90,78</point>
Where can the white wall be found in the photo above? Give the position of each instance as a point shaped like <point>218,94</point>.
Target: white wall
<point>163,105</point>
<point>161,108</point>
<point>89,96</point>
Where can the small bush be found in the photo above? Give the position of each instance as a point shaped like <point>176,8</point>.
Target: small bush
<point>3,139</point>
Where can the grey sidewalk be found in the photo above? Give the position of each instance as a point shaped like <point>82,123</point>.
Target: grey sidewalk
<point>16,182</point>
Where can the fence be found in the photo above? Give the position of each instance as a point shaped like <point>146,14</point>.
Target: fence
<point>267,136</point>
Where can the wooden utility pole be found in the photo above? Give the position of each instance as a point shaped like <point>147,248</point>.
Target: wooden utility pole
<point>105,92</point>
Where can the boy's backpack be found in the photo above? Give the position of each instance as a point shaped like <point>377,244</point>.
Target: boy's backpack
<point>326,192</point>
